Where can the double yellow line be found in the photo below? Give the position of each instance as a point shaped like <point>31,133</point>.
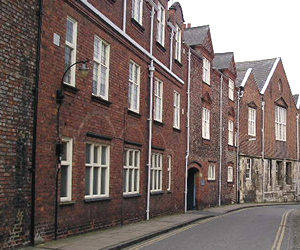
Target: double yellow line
<point>280,233</point>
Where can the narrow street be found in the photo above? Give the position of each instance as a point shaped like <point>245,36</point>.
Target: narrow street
<point>276,227</point>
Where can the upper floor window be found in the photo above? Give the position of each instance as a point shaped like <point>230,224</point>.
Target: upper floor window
<point>206,71</point>
<point>178,44</point>
<point>156,172</point>
<point>211,172</point>
<point>66,170</point>
<point>280,123</point>
<point>176,121</point>
<point>230,132</point>
<point>101,68</point>
<point>131,171</point>
<point>231,89</point>
<point>70,50</point>
<point>96,170</point>
<point>134,87</point>
<point>137,10</point>
<point>158,100</point>
<point>251,121</point>
<point>161,24</point>
<point>206,123</point>
<point>230,174</point>
<point>248,169</point>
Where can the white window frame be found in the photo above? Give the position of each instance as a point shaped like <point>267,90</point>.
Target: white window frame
<point>206,71</point>
<point>176,106</point>
<point>135,68</point>
<point>248,170</point>
<point>280,123</point>
<point>231,89</point>
<point>156,172</point>
<point>211,176</point>
<point>169,173</point>
<point>67,163</point>
<point>72,46</point>
<point>161,13</point>
<point>230,174</point>
<point>158,100</point>
<point>137,11</point>
<point>92,165</point>
<point>230,133</point>
<point>178,36</point>
<point>205,123</point>
<point>98,66</point>
<point>131,184</point>
<point>251,121</point>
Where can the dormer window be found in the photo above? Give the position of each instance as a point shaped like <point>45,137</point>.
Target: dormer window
<point>161,24</point>
<point>178,44</point>
<point>137,10</point>
<point>206,71</point>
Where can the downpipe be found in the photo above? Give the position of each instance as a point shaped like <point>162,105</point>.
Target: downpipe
<point>220,142</point>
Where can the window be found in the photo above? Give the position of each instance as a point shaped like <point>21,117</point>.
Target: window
<point>248,169</point>
<point>156,172</point>
<point>66,170</point>
<point>96,170</point>
<point>169,172</point>
<point>178,44</point>
<point>279,168</point>
<point>160,24</point>
<point>158,101</point>
<point>205,123</point>
<point>206,71</point>
<point>230,174</point>
<point>176,122</point>
<point>280,123</point>
<point>134,87</point>
<point>131,172</point>
<point>251,121</point>
<point>230,132</point>
<point>137,10</point>
<point>101,68</point>
<point>70,50</point>
<point>288,171</point>
<point>231,89</point>
<point>211,172</point>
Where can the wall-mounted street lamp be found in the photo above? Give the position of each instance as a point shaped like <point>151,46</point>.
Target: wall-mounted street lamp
<point>59,145</point>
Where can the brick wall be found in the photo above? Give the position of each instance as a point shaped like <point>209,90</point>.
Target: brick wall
<point>17,74</point>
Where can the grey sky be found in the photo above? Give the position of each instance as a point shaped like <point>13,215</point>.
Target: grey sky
<point>253,30</point>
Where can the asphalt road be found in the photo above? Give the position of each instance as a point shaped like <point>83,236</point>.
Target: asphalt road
<point>275,227</point>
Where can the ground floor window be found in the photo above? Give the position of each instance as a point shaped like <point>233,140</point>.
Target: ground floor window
<point>211,172</point>
<point>288,173</point>
<point>131,174</point>
<point>230,174</point>
<point>156,172</point>
<point>248,169</point>
<point>66,170</point>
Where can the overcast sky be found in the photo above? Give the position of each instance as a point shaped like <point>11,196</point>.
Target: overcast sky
<point>253,30</point>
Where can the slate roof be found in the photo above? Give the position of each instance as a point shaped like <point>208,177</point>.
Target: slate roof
<point>240,74</point>
<point>223,60</point>
<point>261,70</point>
<point>195,35</point>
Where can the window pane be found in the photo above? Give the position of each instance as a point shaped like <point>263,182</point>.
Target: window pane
<point>125,180</point>
<point>103,180</point>
<point>96,154</point>
<point>103,80</point>
<point>130,178</point>
<point>136,180</point>
<point>95,78</point>
<point>130,153</point>
<point>88,153</point>
<point>64,151</point>
<point>87,180</point>
<point>70,26</point>
<point>103,155</point>
<point>64,181</point>
<point>95,180</point>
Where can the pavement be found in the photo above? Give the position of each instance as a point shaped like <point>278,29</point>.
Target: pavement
<point>127,235</point>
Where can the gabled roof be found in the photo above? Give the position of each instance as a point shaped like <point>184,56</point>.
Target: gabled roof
<point>175,6</point>
<point>196,35</point>
<point>262,70</point>
<point>223,60</point>
<point>242,77</point>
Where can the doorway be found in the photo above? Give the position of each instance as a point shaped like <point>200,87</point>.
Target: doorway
<point>192,189</point>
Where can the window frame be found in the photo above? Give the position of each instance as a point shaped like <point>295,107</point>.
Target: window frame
<point>98,63</point>
<point>92,165</point>
<point>230,133</point>
<point>205,123</point>
<point>280,123</point>
<point>178,37</point>
<point>251,121</point>
<point>137,11</point>
<point>155,169</point>
<point>132,83</point>
<point>73,46</point>
<point>158,89</point>
<point>230,174</point>
<point>169,157</point>
<point>211,175</point>
<point>176,110</point>
<point>161,14</point>
<point>67,163</point>
<point>206,71</point>
<point>231,89</point>
<point>135,171</point>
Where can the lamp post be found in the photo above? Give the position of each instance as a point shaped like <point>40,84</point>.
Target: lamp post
<point>59,146</point>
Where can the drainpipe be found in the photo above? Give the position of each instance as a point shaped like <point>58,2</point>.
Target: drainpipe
<point>221,138</point>
<point>124,14</point>
<point>188,130</point>
<point>171,44</point>
<point>298,167</point>
<point>35,107</point>
<point>263,148</point>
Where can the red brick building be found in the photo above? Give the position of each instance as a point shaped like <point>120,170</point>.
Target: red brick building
<point>108,127</point>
